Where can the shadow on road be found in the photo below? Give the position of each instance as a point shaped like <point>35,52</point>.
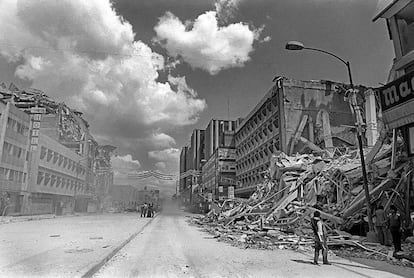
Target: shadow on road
<point>333,263</point>
<point>302,261</point>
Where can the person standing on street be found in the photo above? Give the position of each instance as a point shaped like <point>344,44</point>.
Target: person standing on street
<point>320,238</point>
<point>394,224</point>
<point>144,210</point>
<point>380,224</point>
<point>149,210</point>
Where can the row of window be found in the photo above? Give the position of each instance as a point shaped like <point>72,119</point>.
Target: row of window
<point>17,126</point>
<point>253,176</point>
<point>266,132</point>
<point>57,181</point>
<point>60,160</point>
<point>12,175</point>
<point>254,158</point>
<point>259,117</point>
<point>13,150</point>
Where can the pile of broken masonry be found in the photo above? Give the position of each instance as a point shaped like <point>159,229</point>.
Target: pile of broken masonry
<point>278,213</point>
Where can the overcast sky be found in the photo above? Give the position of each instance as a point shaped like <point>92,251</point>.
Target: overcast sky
<point>145,73</point>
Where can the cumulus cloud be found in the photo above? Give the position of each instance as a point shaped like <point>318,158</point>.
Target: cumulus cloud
<point>266,39</point>
<point>83,53</point>
<point>160,140</point>
<point>123,165</point>
<point>166,159</point>
<point>205,44</point>
<point>170,154</point>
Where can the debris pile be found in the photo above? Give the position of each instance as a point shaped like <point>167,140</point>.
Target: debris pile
<point>71,124</point>
<point>278,213</point>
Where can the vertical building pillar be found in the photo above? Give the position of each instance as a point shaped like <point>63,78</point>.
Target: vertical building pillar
<point>371,118</point>
<point>216,134</point>
<point>210,152</point>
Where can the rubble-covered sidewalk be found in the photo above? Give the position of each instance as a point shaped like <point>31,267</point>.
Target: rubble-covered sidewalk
<point>277,215</point>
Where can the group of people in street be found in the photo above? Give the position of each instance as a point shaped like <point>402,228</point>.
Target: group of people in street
<point>391,224</point>
<point>384,224</point>
<point>147,210</point>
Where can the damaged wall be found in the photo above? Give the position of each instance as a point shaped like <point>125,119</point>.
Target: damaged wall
<point>293,116</point>
<point>317,111</point>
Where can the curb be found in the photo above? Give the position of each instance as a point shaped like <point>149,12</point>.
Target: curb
<point>99,265</point>
<point>39,217</point>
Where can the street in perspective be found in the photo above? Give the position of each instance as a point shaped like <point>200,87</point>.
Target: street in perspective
<point>218,138</point>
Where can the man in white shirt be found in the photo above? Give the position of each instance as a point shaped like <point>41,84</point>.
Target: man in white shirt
<point>320,238</point>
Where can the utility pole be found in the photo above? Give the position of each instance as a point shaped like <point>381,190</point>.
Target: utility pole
<point>295,45</point>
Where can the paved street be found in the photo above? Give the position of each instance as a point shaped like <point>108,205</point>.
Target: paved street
<point>165,246</point>
<point>64,246</point>
<point>169,247</point>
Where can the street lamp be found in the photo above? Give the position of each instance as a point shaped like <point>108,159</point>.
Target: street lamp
<point>295,45</point>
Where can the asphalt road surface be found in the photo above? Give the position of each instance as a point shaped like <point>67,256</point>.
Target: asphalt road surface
<point>170,247</point>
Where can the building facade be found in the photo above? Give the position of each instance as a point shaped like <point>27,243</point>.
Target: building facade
<point>293,116</point>
<point>194,158</point>
<point>396,97</point>
<point>215,135</point>
<point>47,156</point>
<point>57,177</point>
<point>104,176</point>
<point>219,173</point>
<point>14,142</point>
<point>183,168</point>
<point>196,149</point>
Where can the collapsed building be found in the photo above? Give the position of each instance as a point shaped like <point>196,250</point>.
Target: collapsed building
<point>294,116</point>
<point>297,153</point>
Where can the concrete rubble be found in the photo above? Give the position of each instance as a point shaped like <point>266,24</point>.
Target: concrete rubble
<point>278,213</point>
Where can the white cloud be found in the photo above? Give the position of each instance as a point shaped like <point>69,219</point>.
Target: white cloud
<point>170,154</point>
<point>167,160</point>
<point>161,140</point>
<point>204,44</point>
<point>266,39</point>
<point>181,84</point>
<point>83,53</point>
<point>123,165</point>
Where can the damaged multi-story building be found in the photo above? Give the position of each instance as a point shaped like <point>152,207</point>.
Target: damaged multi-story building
<point>14,151</point>
<point>293,116</point>
<point>396,96</point>
<point>48,150</point>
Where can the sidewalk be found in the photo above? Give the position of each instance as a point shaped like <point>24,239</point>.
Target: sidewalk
<point>13,219</point>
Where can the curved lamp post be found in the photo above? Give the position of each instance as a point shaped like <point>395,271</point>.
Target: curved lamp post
<point>295,45</point>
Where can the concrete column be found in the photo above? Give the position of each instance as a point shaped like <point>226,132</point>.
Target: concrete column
<point>210,152</point>
<point>216,135</point>
<point>371,118</point>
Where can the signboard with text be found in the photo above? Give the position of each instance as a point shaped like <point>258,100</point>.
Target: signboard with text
<point>397,101</point>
